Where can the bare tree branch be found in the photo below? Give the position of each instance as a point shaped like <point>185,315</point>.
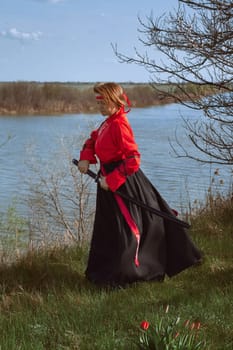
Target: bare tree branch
<point>195,46</point>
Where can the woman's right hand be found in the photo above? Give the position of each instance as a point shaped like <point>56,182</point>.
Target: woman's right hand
<point>83,166</point>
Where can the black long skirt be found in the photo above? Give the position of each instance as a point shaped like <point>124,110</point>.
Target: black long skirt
<point>164,249</point>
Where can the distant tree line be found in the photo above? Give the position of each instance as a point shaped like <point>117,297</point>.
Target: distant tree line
<point>37,98</point>
<point>31,97</point>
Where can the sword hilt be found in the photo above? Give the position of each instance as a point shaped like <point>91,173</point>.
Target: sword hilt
<point>89,172</point>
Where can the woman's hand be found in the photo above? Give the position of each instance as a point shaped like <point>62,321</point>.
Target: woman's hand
<point>103,183</point>
<point>83,166</point>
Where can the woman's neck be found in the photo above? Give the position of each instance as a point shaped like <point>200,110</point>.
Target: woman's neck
<point>117,111</point>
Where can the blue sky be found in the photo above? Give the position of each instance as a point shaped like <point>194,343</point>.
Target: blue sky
<point>70,40</point>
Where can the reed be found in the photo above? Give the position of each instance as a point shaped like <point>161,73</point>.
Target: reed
<point>20,98</point>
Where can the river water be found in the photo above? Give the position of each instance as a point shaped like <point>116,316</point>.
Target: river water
<point>41,140</point>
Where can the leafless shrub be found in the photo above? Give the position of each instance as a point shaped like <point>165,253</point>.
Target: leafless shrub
<point>60,201</point>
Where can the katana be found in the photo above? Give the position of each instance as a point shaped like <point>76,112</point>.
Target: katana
<point>164,215</point>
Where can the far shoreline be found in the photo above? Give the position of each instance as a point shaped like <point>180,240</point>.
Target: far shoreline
<point>57,113</point>
<point>36,98</point>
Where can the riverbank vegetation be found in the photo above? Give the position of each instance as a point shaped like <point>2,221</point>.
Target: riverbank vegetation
<point>46,303</point>
<point>19,98</point>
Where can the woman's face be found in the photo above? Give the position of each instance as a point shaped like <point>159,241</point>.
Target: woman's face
<point>106,108</point>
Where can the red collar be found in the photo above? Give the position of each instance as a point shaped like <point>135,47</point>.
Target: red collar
<point>119,113</point>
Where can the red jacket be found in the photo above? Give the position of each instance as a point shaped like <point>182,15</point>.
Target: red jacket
<point>113,141</point>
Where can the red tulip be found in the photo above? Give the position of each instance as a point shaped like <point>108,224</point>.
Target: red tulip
<point>192,326</point>
<point>176,335</point>
<point>144,325</point>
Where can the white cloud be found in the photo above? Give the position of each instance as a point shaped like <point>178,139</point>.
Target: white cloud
<point>13,33</point>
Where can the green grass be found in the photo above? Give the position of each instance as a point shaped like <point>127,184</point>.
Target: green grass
<point>46,303</point>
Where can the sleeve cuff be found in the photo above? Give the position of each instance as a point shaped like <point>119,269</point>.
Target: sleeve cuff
<point>88,155</point>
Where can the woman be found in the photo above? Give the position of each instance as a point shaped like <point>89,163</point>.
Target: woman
<point>129,243</point>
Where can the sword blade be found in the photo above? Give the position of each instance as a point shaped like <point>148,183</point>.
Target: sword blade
<point>139,203</point>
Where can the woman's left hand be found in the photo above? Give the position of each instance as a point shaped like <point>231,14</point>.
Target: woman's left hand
<point>103,183</point>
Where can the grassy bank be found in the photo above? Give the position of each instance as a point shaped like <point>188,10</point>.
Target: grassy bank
<point>17,98</point>
<point>46,303</point>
